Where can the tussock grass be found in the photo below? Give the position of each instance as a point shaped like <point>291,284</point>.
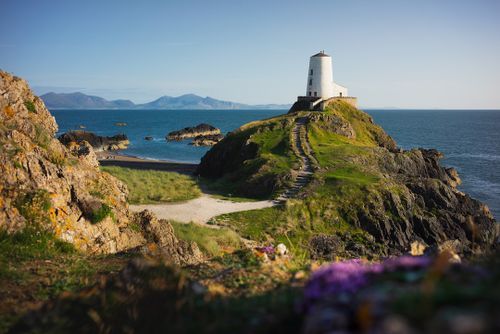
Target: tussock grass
<point>210,241</point>
<point>152,186</point>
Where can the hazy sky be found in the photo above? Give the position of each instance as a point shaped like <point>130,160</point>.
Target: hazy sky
<point>401,53</point>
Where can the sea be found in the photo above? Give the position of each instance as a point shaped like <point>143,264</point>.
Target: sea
<point>469,139</point>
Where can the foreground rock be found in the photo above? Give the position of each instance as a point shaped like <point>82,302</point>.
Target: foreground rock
<point>371,197</point>
<point>99,143</point>
<point>45,185</point>
<point>192,132</point>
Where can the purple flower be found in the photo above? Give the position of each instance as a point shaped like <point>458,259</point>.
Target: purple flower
<point>347,277</point>
<point>406,262</point>
<point>269,250</point>
<point>337,278</point>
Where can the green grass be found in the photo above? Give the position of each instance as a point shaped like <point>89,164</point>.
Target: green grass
<point>352,174</point>
<point>31,243</point>
<point>100,214</point>
<point>30,106</point>
<point>151,186</point>
<point>211,241</point>
<point>36,266</point>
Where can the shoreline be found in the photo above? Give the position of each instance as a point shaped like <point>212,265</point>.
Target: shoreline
<point>107,158</point>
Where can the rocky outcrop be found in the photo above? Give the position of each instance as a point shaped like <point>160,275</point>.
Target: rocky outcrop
<point>207,140</point>
<point>363,181</point>
<point>160,234</point>
<point>99,143</point>
<point>192,132</point>
<point>46,185</point>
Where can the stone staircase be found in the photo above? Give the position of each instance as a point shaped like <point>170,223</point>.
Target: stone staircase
<point>306,171</point>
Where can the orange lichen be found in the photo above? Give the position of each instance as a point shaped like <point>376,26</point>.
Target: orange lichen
<point>8,111</point>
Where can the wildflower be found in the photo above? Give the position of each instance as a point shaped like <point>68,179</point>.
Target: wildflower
<point>406,262</point>
<point>269,250</point>
<point>337,278</point>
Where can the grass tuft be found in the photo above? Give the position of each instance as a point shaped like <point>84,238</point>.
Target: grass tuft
<point>101,213</point>
<point>30,106</point>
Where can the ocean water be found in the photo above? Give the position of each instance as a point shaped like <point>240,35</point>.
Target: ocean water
<point>469,139</point>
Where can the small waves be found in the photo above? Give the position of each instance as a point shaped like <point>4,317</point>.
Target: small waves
<point>481,156</point>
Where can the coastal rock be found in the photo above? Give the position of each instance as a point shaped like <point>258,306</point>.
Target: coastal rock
<point>192,132</point>
<point>161,234</point>
<point>207,140</point>
<point>46,185</point>
<point>363,180</point>
<point>99,143</point>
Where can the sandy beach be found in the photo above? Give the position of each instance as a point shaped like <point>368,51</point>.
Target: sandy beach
<point>109,158</point>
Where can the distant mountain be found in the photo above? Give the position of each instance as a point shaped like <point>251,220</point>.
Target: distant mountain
<point>82,101</point>
<point>187,101</point>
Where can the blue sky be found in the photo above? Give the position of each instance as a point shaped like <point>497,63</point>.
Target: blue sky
<point>401,53</point>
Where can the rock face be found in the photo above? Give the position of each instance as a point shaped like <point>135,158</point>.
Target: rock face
<point>99,143</point>
<point>208,140</point>
<point>50,186</point>
<point>192,132</point>
<point>363,181</point>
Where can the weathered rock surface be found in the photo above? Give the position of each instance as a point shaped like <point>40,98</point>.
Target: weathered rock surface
<point>61,188</point>
<point>192,132</point>
<point>99,143</point>
<point>207,140</point>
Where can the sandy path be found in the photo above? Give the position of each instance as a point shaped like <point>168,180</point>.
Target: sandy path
<point>200,210</point>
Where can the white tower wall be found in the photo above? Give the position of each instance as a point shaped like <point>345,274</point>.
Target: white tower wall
<point>320,76</point>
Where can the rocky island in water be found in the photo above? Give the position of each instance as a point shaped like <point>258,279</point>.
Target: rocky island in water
<point>202,134</point>
<point>359,235</point>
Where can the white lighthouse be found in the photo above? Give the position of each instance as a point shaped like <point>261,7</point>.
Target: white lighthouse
<point>321,90</point>
<point>320,78</point>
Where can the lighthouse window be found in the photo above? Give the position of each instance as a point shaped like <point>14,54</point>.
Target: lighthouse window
<point>311,72</point>
<point>310,82</point>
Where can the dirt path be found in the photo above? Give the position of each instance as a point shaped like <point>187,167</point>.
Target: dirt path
<point>303,149</point>
<point>200,210</point>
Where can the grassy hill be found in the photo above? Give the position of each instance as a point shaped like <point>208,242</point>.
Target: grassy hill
<point>367,196</point>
